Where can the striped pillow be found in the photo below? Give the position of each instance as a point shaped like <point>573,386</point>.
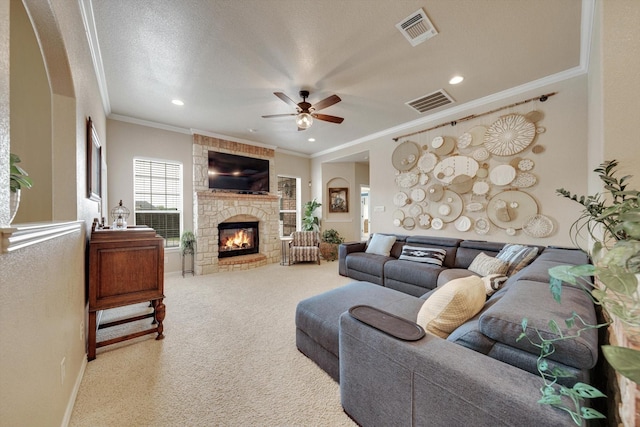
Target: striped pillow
<point>518,257</point>
<point>421,254</point>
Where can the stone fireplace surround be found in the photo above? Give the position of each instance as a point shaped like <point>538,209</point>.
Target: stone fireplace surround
<point>213,207</point>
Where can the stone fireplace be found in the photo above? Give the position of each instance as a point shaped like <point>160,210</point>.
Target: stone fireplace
<point>215,208</point>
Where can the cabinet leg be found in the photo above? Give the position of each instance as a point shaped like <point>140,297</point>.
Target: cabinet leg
<point>92,336</point>
<point>159,313</point>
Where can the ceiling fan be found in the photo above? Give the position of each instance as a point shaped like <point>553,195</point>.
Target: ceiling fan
<point>306,112</point>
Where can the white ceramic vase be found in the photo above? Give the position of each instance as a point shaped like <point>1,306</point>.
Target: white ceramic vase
<point>14,202</point>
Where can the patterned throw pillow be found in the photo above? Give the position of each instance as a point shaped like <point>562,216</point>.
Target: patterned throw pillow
<point>452,304</point>
<point>493,282</point>
<point>518,256</point>
<point>421,254</point>
<point>381,244</point>
<point>485,265</point>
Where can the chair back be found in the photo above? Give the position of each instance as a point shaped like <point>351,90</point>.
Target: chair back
<point>305,238</point>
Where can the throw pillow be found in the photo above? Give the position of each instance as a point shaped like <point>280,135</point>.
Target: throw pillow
<point>518,256</point>
<point>421,254</point>
<point>452,304</point>
<point>485,265</point>
<point>493,282</point>
<point>380,244</point>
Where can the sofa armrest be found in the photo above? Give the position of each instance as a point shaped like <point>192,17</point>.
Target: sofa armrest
<point>345,249</point>
<point>386,381</point>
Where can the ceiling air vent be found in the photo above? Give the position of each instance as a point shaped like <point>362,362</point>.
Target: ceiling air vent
<point>431,101</point>
<point>417,27</point>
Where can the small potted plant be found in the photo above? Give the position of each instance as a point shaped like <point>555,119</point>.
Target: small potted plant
<point>18,179</point>
<point>330,240</point>
<point>187,243</point>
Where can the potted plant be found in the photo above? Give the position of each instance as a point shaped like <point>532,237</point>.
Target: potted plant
<point>329,242</point>
<point>188,243</point>
<point>310,222</point>
<point>18,179</point>
<point>612,222</point>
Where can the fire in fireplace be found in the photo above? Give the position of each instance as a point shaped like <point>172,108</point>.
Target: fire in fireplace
<point>237,238</point>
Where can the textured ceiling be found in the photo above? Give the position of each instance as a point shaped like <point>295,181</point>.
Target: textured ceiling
<point>225,59</point>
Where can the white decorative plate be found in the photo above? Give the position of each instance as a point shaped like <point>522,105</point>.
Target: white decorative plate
<point>509,135</point>
<point>525,164</point>
<point>510,231</point>
<point>437,223</point>
<point>480,154</point>
<point>534,116</point>
<point>424,220</point>
<point>464,140</point>
<point>407,179</point>
<point>524,180</point>
<point>405,156</point>
<point>453,166</point>
<point>418,194</point>
<point>397,222</point>
<point>475,207</point>
<point>502,174</point>
<point>477,135</point>
<point>398,214</point>
<point>463,223</point>
<point>409,223</point>
<point>400,199</point>
<point>415,209</point>
<point>442,145</point>
<point>480,188</point>
<point>427,162</point>
<point>482,226</point>
<point>437,142</point>
<point>538,226</point>
<point>424,178</point>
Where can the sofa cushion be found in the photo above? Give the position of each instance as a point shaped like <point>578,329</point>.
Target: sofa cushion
<point>493,283</point>
<point>380,244</point>
<point>518,256</point>
<point>451,305</point>
<point>502,321</point>
<point>485,265</point>
<point>421,254</point>
<point>469,249</point>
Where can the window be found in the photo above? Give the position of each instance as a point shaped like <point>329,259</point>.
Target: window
<point>288,192</point>
<point>157,188</point>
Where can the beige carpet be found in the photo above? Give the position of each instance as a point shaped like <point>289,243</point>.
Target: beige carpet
<point>229,357</point>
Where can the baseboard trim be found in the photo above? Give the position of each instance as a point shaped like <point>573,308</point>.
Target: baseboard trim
<point>74,393</point>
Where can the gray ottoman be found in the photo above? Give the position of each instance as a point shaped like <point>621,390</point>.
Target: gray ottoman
<point>318,318</point>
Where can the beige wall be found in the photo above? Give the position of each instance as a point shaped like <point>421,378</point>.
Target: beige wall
<point>565,142</point>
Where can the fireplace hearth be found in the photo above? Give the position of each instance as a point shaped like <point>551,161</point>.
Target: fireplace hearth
<point>237,238</point>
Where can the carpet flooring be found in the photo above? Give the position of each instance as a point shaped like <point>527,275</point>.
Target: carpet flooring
<point>229,357</point>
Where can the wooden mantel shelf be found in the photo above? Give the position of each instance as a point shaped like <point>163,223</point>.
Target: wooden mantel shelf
<point>20,236</point>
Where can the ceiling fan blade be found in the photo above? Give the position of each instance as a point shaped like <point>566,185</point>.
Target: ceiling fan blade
<point>327,118</point>
<point>286,99</point>
<point>270,116</point>
<point>327,102</point>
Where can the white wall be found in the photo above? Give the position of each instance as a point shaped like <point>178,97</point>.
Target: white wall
<point>562,164</point>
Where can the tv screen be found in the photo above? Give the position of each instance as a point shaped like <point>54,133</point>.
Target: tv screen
<point>238,173</point>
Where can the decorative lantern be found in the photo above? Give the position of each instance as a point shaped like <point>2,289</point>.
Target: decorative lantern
<point>119,215</point>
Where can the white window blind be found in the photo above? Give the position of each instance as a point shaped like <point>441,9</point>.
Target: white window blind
<point>158,197</point>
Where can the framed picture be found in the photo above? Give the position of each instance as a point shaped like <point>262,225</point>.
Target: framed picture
<point>339,200</point>
<point>94,163</point>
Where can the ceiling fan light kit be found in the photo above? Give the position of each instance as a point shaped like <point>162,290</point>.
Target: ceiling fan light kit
<point>306,112</point>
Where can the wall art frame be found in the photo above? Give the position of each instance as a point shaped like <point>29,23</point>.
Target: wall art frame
<point>94,163</point>
<point>338,200</point>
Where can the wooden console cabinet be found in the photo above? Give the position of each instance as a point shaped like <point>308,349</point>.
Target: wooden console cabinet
<point>125,267</point>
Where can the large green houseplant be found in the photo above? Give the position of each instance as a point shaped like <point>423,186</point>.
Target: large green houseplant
<point>610,221</point>
<point>310,221</point>
<point>329,242</point>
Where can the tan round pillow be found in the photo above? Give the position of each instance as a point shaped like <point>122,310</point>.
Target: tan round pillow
<point>451,305</point>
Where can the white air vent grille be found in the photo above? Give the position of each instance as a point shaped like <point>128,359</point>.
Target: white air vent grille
<point>417,27</point>
<point>431,101</point>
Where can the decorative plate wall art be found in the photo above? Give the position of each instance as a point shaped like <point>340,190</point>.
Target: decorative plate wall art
<point>502,174</point>
<point>427,162</point>
<point>465,140</point>
<point>480,154</point>
<point>463,223</point>
<point>481,226</point>
<point>477,135</point>
<point>524,180</point>
<point>538,226</point>
<point>407,179</point>
<point>400,199</point>
<point>405,156</point>
<point>424,221</point>
<point>418,194</point>
<point>525,164</point>
<point>450,167</point>
<point>509,135</point>
<point>448,208</point>
<point>511,209</point>
<point>442,145</point>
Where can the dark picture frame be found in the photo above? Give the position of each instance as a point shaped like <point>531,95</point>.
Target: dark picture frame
<point>94,163</point>
<point>339,200</point>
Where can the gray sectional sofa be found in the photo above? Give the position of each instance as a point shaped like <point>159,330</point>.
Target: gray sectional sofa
<point>479,374</point>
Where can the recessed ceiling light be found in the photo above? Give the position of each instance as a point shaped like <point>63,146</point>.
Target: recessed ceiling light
<point>455,80</point>
<point>177,102</point>
<point>311,140</point>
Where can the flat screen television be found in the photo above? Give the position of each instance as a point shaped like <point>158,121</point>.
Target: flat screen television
<point>241,174</point>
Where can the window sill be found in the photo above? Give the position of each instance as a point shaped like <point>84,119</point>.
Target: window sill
<point>23,235</point>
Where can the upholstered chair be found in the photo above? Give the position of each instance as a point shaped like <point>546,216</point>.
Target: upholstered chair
<point>304,246</point>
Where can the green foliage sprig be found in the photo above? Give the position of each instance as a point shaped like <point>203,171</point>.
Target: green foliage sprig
<point>187,243</point>
<point>568,399</point>
<point>18,177</point>
<point>310,222</point>
<point>332,236</point>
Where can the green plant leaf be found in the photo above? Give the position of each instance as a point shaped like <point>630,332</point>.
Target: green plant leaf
<point>590,414</point>
<point>624,360</point>
<point>562,273</point>
<point>553,326</point>
<point>587,391</point>
<point>618,280</point>
<point>551,399</point>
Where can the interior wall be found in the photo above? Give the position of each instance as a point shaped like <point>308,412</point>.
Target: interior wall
<point>565,142</point>
<point>295,166</point>
<point>340,175</point>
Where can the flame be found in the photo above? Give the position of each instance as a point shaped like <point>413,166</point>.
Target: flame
<point>240,239</point>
